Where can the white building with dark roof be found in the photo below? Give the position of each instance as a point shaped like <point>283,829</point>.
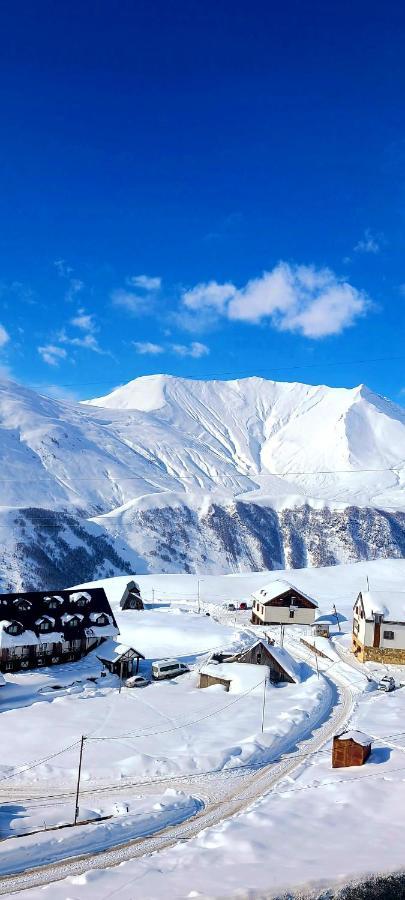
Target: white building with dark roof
<point>281,603</point>
<point>379,626</point>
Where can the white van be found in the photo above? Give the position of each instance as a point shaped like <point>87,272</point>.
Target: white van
<point>168,668</point>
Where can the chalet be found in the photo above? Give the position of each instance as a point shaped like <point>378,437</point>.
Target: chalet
<point>41,629</point>
<point>350,748</point>
<point>131,598</point>
<point>119,659</point>
<point>379,627</point>
<point>280,603</point>
<point>280,665</point>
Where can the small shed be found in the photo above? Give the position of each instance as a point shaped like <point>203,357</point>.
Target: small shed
<point>119,659</point>
<point>233,676</point>
<point>350,748</point>
<point>323,624</point>
<point>281,664</point>
<point>131,598</point>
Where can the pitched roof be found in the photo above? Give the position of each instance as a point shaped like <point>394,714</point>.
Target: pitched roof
<point>331,618</point>
<point>390,604</point>
<point>276,589</point>
<point>281,656</point>
<point>112,651</point>
<point>29,619</point>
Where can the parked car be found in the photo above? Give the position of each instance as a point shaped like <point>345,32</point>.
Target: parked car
<point>243,605</point>
<point>231,607</point>
<point>386,683</point>
<point>168,668</point>
<point>136,681</point>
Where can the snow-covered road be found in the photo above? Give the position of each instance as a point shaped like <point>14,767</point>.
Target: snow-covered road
<point>224,794</point>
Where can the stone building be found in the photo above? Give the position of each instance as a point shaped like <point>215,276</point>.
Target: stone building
<point>379,626</point>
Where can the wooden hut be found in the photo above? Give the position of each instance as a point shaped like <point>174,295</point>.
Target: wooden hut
<point>119,659</point>
<point>350,748</point>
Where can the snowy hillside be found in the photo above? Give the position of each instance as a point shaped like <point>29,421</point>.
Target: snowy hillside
<point>180,475</point>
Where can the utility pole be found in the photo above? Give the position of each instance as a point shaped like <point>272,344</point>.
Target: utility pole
<point>317,664</point>
<point>264,702</point>
<point>121,670</point>
<point>82,740</point>
<point>337,617</point>
<point>368,583</point>
<point>153,595</point>
<point>198,594</point>
<point>281,635</point>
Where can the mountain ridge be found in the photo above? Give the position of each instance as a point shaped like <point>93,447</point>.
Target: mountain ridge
<point>208,474</point>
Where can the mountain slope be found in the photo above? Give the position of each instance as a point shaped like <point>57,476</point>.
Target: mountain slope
<point>192,475</point>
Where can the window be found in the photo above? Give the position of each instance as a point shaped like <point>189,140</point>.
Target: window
<point>292,613</point>
<point>44,626</point>
<point>14,628</point>
<point>355,627</point>
<point>388,635</point>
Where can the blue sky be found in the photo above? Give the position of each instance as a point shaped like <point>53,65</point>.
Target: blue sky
<point>202,189</point>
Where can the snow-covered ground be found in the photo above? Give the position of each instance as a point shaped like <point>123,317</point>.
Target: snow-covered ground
<point>283,840</point>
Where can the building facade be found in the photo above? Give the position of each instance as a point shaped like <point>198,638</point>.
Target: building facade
<point>42,629</point>
<point>280,603</point>
<point>379,627</point>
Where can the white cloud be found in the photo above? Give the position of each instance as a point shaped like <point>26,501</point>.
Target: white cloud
<point>51,354</point>
<point>312,302</point>
<point>89,342</point>
<point>195,350</point>
<point>75,284</point>
<point>132,302</point>
<point>84,321</point>
<point>146,348</point>
<point>145,282</point>
<point>368,244</point>
<point>4,336</point>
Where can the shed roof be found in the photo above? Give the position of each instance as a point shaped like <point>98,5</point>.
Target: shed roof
<point>277,588</point>
<point>357,736</point>
<point>281,656</point>
<point>241,676</point>
<point>111,651</point>
<point>331,618</point>
<point>390,604</point>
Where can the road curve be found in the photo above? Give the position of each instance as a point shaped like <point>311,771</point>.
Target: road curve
<point>222,804</point>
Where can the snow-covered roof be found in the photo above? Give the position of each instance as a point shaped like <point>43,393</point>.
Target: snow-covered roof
<point>2,680</point>
<point>390,604</point>
<point>242,676</point>
<point>109,630</point>
<point>111,651</point>
<point>25,639</point>
<point>80,595</point>
<point>54,597</point>
<point>45,619</point>
<point>67,617</point>
<point>94,616</point>
<point>284,659</point>
<point>276,589</point>
<point>329,619</point>
<point>358,736</point>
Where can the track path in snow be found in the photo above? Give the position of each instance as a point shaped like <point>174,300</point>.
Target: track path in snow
<point>224,794</point>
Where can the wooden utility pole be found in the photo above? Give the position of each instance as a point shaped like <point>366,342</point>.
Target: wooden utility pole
<point>281,635</point>
<point>337,617</point>
<point>82,740</point>
<point>264,702</point>
<point>198,594</point>
<point>368,583</point>
<point>121,670</point>
<point>317,664</point>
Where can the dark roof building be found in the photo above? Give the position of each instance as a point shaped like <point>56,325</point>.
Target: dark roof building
<point>131,598</point>
<point>41,628</point>
<point>281,603</point>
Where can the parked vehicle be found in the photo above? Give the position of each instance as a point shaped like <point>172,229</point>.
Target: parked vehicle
<point>231,607</point>
<point>168,668</point>
<point>386,683</point>
<point>243,605</point>
<point>137,681</point>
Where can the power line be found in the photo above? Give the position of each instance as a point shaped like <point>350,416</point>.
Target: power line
<point>237,373</point>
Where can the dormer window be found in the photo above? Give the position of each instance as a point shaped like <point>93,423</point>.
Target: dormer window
<point>22,604</point>
<point>14,628</point>
<point>80,598</point>
<point>53,602</point>
<point>72,620</point>
<point>99,618</point>
<point>45,623</point>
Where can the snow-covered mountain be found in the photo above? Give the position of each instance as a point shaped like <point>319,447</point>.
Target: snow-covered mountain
<point>180,475</point>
